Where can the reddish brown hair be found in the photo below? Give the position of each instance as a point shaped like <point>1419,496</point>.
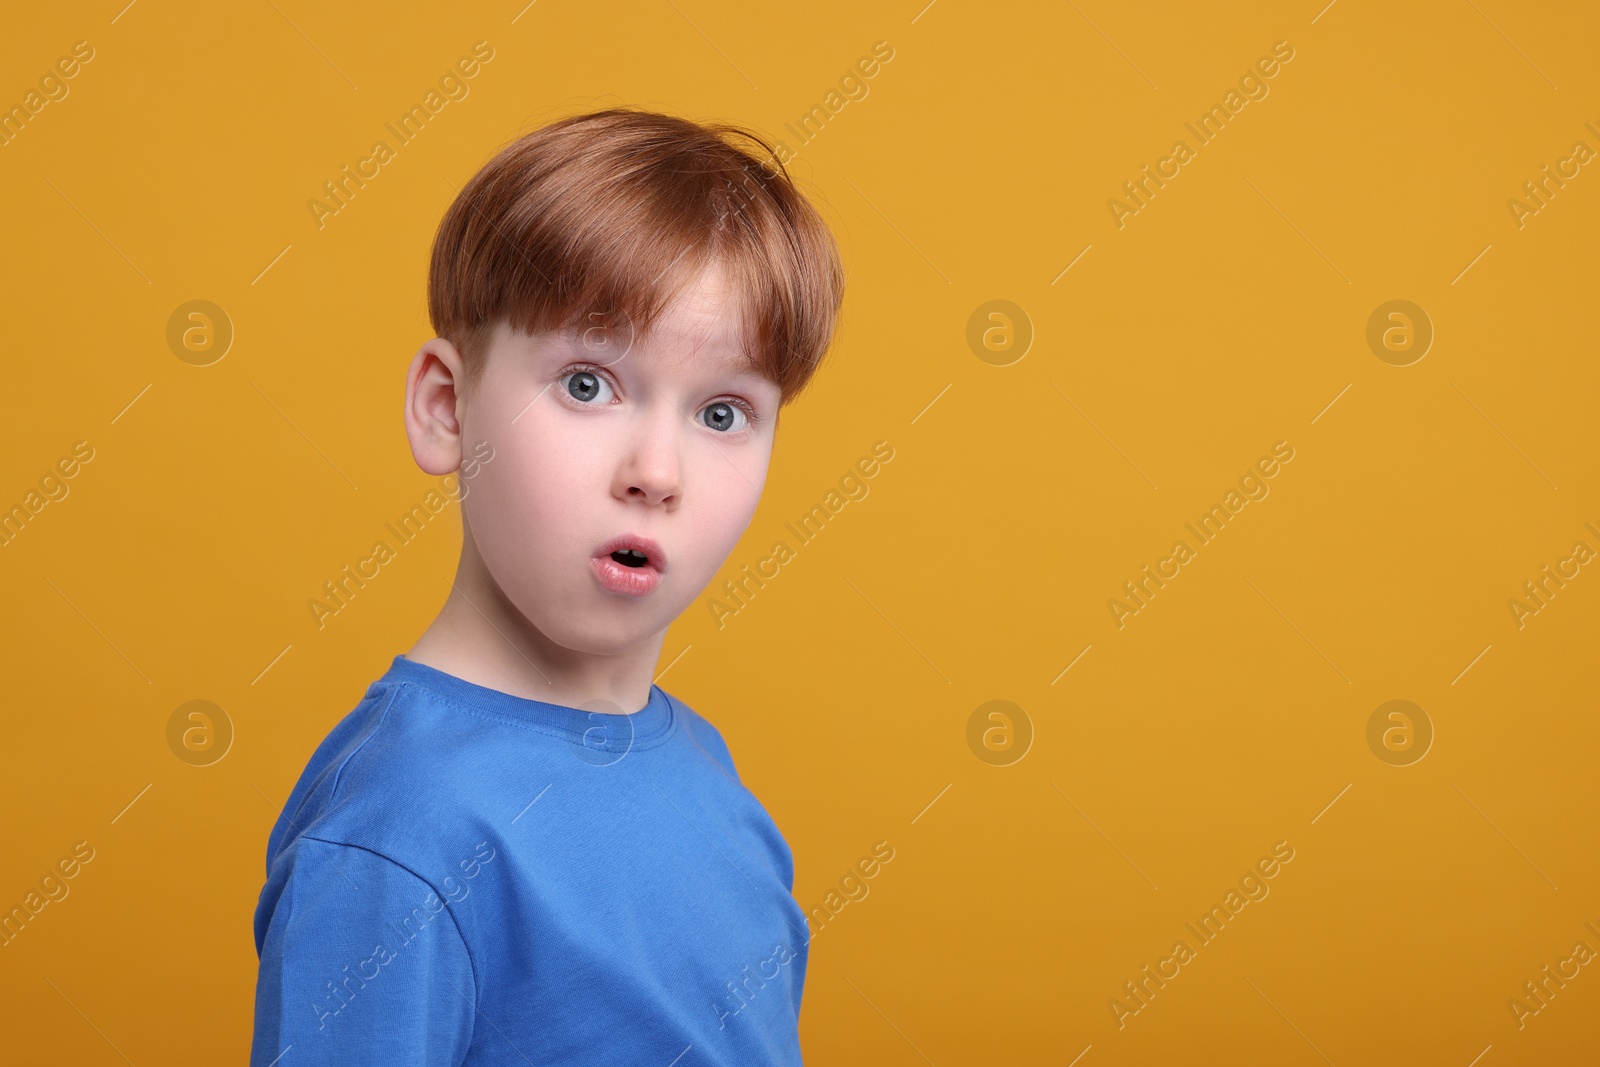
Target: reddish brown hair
<point>597,220</point>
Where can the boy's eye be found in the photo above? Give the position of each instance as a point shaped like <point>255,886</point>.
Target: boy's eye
<point>584,386</point>
<point>589,388</point>
<point>721,416</point>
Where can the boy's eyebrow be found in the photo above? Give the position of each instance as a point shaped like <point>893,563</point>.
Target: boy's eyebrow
<point>741,377</point>
<point>742,371</point>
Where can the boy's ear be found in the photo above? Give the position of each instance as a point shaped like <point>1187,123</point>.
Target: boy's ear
<point>434,404</point>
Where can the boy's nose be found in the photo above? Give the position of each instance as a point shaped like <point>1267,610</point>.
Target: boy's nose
<point>650,470</point>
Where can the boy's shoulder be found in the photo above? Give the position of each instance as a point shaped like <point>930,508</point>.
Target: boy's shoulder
<point>372,769</point>
<point>419,754</point>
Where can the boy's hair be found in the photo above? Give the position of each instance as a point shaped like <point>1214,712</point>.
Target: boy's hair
<point>597,220</point>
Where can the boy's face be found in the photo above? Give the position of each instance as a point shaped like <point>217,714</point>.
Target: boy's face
<point>592,441</point>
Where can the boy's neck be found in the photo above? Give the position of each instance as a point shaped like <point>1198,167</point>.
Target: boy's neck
<point>479,636</point>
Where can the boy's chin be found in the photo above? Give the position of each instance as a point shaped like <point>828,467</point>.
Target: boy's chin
<point>603,634</point>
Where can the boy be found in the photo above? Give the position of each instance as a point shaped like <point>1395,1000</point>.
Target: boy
<point>517,849</point>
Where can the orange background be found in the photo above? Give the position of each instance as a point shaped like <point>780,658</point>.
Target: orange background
<point>1229,313</point>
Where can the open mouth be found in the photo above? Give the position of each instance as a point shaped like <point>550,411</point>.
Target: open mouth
<point>630,564</point>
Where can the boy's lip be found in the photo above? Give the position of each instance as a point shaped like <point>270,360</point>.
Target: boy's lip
<point>654,553</point>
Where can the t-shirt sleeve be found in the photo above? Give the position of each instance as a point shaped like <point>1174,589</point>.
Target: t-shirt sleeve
<point>361,964</point>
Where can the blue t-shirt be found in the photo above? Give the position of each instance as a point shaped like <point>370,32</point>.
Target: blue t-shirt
<point>463,876</point>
